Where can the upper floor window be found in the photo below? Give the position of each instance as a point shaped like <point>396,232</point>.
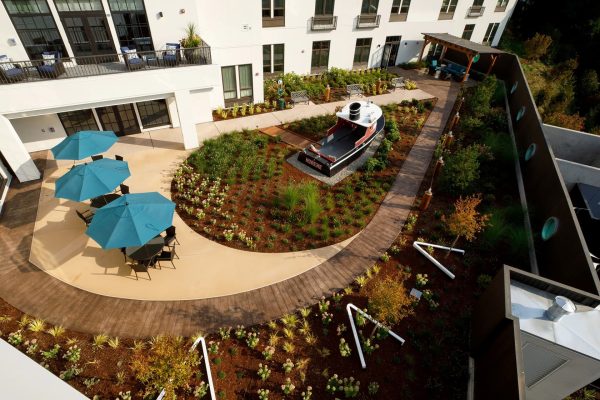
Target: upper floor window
<point>324,7</point>
<point>131,24</point>
<point>399,10</point>
<point>273,58</point>
<point>273,13</point>
<point>448,8</point>
<point>501,5</point>
<point>468,32</point>
<point>35,26</point>
<point>369,7</point>
<point>490,33</point>
<point>78,5</point>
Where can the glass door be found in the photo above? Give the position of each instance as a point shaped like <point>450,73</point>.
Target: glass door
<point>120,119</point>
<point>390,51</point>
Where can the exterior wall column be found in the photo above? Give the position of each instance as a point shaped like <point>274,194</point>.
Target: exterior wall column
<point>185,108</point>
<point>15,153</point>
<point>173,114</point>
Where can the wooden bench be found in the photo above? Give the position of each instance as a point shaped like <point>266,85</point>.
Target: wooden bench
<point>398,83</point>
<point>299,97</point>
<point>355,89</point>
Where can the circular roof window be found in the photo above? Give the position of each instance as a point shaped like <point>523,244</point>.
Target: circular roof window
<point>530,152</point>
<point>520,113</point>
<point>514,87</point>
<point>550,228</point>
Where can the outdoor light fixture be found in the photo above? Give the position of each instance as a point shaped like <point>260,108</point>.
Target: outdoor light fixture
<point>182,11</point>
<point>160,14</point>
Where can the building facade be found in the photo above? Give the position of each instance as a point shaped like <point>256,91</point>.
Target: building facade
<point>95,85</point>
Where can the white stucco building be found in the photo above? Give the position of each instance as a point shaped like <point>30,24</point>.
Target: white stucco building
<point>244,41</point>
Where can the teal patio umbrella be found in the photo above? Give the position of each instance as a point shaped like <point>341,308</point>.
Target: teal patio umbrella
<point>131,220</point>
<point>84,144</point>
<point>86,181</point>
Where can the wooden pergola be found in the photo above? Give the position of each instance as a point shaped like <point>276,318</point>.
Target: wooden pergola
<point>470,49</point>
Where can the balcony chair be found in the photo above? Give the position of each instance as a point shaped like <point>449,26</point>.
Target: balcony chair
<point>142,266</point>
<point>51,65</point>
<point>172,54</point>
<point>10,72</point>
<point>167,256</point>
<point>85,218</point>
<point>132,60</point>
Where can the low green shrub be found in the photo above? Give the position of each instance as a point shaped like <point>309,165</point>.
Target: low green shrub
<point>461,170</point>
<point>413,65</point>
<point>314,125</point>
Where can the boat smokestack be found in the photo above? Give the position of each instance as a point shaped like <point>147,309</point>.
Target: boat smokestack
<point>560,307</point>
<point>354,111</point>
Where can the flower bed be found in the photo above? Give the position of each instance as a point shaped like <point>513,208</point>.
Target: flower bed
<point>239,190</point>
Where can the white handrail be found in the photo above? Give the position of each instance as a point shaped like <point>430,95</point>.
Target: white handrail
<point>207,366</point>
<point>349,309</point>
<point>417,245</point>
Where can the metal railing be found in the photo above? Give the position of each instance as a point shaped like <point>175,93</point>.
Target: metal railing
<point>475,11</point>
<point>79,67</point>
<point>323,23</point>
<point>368,21</point>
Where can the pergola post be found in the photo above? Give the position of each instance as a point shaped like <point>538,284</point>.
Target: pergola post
<point>471,56</point>
<point>443,52</point>
<point>494,58</point>
<point>425,43</point>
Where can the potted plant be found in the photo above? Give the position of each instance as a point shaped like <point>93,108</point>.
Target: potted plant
<point>191,43</point>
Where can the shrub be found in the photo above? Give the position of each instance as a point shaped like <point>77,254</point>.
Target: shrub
<point>574,121</point>
<point>290,196</point>
<point>314,125</point>
<point>312,202</point>
<point>410,85</point>
<point>372,165</point>
<point>588,83</point>
<point>480,98</point>
<point>166,365</point>
<point>388,300</point>
<point>413,65</point>
<point>461,169</point>
<point>537,46</point>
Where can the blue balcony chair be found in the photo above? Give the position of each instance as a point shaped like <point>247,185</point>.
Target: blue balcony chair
<point>172,54</point>
<point>132,59</point>
<point>10,72</point>
<point>51,65</point>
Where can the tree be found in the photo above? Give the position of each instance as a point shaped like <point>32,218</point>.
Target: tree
<point>461,169</point>
<point>574,121</point>
<point>537,46</point>
<point>589,84</point>
<point>389,301</point>
<point>465,221</point>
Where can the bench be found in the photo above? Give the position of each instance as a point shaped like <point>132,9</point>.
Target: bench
<point>457,71</point>
<point>355,89</point>
<point>398,83</point>
<point>299,97</point>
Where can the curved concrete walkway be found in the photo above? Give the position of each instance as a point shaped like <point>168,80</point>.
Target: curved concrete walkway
<point>37,293</point>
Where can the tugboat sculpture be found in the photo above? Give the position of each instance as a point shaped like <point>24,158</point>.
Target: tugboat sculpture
<point>357,126</point>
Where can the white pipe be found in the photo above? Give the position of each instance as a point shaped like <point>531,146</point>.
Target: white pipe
<point>417,245</point>
<point>349,309</point>
<point>206,364</point>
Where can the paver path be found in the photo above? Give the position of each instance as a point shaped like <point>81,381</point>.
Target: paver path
<point>38,294</point>
<point>288,137</point>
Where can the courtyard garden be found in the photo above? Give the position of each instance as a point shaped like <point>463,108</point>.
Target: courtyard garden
<point>239,190</point>
<point>310,354</point>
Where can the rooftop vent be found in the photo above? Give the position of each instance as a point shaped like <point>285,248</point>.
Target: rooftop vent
<point>560,307</point>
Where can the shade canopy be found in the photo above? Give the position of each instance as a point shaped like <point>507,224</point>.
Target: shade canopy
<point>84,144</point>
<point>131,220</point>
<point>91,180</point>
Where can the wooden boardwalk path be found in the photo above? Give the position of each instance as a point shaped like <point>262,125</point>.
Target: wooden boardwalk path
<point>38,294</point>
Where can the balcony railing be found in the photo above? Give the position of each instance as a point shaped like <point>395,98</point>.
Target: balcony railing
<point>500,8</point>
<point>446,15</point>
<point>323,23</point>
<point>368,21</point>
<point>475,11</point>
<point>78,67</point>
<point>398,17</point>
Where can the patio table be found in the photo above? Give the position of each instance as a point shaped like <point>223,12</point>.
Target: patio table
<point>147,251</point>
<point>103,200</point>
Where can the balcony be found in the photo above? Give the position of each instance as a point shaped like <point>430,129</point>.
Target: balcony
<point>400,17</point>
<point>368,21</point>
<point>323,23</point>
<point>444,15</point>
<point>107,64</point>
<point>475,11</point>
<point>500,8</point>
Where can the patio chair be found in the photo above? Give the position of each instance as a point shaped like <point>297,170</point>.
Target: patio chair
<point>167,256</point>
<point>51,65</point>
<point>141,266</point>
<point>10,72</point>
<point>172,54</point>
<point>119,158</point>
<point>97,157</point>
<point>170,236</point>
<point>300,96</point>
<point>85,218</point>
<point>124,189</point>
<point>124,252</point>
<point>398,83</point>
<point>132,60</point>
<point>433,67</point>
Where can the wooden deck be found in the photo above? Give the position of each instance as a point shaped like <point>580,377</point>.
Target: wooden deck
<point>38,294</point>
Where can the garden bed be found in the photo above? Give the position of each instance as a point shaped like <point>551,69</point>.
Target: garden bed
<point>238,189</point>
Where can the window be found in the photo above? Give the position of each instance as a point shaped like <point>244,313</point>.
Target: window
<point>448,8</point>
<point>501,5</point>
<point>35,26</point>
<point>550,228</point>
<point>530,151</point>
<point>78,5</point>
<point>245,72</point>
<point>369,7</point>
<point>229,83</point>
<point>490,33</point>
<point>154,113</point>
<point>131,23</point>
<point>468,32</point>
<point>435,51</point>
<point>273,13</point>
<point>477,3</point>
<point>273,58</point>
<point>400,6</point>
<point>324,7</point>
<point>75,121</point>
<point>361,53</point>
<point>320,56</point>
